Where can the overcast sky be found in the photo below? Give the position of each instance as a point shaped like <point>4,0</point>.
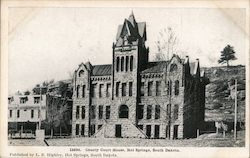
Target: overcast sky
<point>49,43</point>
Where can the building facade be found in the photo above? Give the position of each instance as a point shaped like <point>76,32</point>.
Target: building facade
<point>25,112</point>
<point>133,97</point>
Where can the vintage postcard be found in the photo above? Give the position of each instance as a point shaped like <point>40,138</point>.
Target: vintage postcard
<point>111,79</point>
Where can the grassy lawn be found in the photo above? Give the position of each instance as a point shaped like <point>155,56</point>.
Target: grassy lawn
<point>211,140</point>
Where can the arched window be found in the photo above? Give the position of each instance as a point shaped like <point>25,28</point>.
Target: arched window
<point>176,112</point>
<point>176,88</point>
<point>122,63</point>
<point>173,67</point>
<point>81,73</point>
<point>123,111</point>
<point>126,67</point>
<point>77,91</point>
<point>131,63</point>
<point>117,63</point>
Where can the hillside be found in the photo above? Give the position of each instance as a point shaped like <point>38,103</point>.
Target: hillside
<point>220,93</point>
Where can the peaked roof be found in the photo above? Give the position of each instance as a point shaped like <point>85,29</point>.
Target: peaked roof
<point>141,29</point>
<point>155,67</point>
<point>101,70</point>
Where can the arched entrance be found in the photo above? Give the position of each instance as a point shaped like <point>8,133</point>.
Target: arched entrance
<point>123,111</point>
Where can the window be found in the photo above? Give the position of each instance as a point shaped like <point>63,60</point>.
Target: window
<point>10,113</point>
<point>142,89</point>
<point>92,129</point>
<point>126,67</point>
<point>157,131</point>
<point>92,112</point>
<point>148,131</point>
<point>158,88</point>
<point>169,89</point>
<point>130,89</point>
<point>150,86</point>
<point>38,113</point>
<point>23,100</point>
<point>83,130</point>
<point>176,88</point>
<point>149,111</point>
<point>77,112</point>
<point>122,63</point>
<point>77,91</point>
<point>140,111</point>
<point>81,73</point>
<point>140,127</point>
<point>83,91</point>
<point>18,113</point>
<point>124,86</point>
<point>117,89</point>
<point>157,112</point>
<point>32,113</point>
<point>77,129</point>
<point>93,90</point>
<point>100,111</point>
<point>107,112</point>
<point>131,63</point>
<point>100,90</point>
<point>99,126</point>
<point>168,111</point>
<point>83,112</point>
<point>123,111</point>
<point>176,111</point>
<point>108,90</point>
<point>173,67</point>
<point>117,63</point>
<point>10,100</point>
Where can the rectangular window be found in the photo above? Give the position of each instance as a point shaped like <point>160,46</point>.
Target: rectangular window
<point>23,100</point>
<point>149,111</point>
<point>10,113</point>
<point>158,88</point>
<point>168,111</point>
<point>100,111</point>
<point>83,130</point>
<point>142,89</point>
<point>99,126</point>
<point>157,131</point>
<point>148,131</point>
<point>83,91</point>
<point>93,90</point>
<point>107,112</point>
<point>140,127</point>
<point>140,111</point>
<point>92,129</point>
<point>176,112</point>
<point>32,113</point>
<point>77,112</point>
<point>83,112</point>
<point>124,86</point>
<point>157,112</point>
<point>100,90</point>
<point>130,90</point>
<point>92,112</point>
<point>38,113</point>
<point>150,87</point>
<point>108,90</point>
<point>117,89</point>
<point>18,113</point>
<point>77,129</point>
<point>36,100</point>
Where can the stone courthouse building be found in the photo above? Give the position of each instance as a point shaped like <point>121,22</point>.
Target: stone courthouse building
<point>133,97</point>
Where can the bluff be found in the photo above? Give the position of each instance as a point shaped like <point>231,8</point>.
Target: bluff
<point>220,93</point>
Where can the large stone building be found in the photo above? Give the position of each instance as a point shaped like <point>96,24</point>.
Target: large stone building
<point>133,97</point>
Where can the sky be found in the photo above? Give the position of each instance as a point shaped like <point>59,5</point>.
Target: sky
<point>50,43</point>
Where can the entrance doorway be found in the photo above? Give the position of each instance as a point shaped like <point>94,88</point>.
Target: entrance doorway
<point>157,131</point>
<point>175,132</point>
<point>118,131</point>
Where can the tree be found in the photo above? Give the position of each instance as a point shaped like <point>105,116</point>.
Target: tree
<point>226,55</point>
<point>166,44</point>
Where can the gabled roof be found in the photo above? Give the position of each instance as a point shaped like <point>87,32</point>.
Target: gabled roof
<point>155,67</point>
<point>141,29</point>
<point>101,70</point>
<point>193,68</point>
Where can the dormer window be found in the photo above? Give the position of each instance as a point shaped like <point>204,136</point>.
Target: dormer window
<point>81,73</point>
<point>10,100</point>
<point>23,100</point>
<point>36,100</point>
<point>173,67</point>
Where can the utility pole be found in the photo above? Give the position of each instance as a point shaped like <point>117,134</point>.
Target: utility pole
<point>235,111</point>
<point>39,124</point>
